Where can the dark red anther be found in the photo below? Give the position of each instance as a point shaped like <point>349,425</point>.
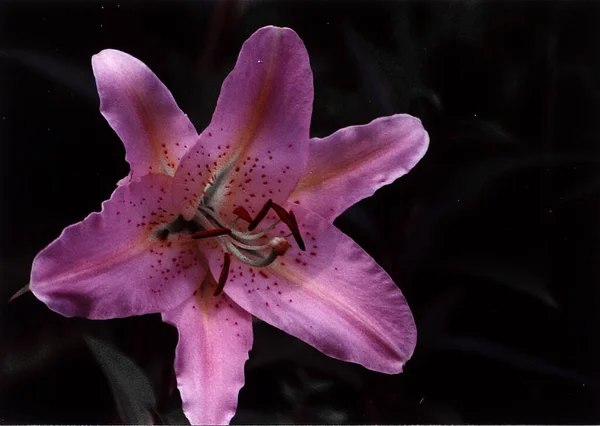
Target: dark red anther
<point>261,215</point>
<point>281,213</point>
<point>242,213</point>
<point>224,274</point>
<point>296,231</point>
<point>211,233</point>
<point>290,220</point>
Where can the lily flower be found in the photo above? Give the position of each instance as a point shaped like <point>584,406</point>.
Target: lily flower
<point>211,229</point>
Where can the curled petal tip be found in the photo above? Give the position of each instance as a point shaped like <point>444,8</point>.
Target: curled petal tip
<point>19,293</point>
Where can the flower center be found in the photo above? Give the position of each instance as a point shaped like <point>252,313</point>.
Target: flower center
<point>253,247</point>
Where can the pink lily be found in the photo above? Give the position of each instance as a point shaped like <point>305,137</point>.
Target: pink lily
<point>211,229</point>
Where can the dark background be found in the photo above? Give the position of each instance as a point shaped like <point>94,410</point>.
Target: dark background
<point>494,237</point>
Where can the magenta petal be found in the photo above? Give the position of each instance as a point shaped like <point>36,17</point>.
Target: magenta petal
<point>354,162</point>
<point>215,335</point>
<point>256,145</point>
<point>138,106</point>
<point>333,296</point>
<point>114,263</point>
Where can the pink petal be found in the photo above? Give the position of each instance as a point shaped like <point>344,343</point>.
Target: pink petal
<point>256,145</point>
<point>333,296</point>
<point>215,335</point>
<point>113,263</point>
<point>142,111</point>
<point>354,162</point>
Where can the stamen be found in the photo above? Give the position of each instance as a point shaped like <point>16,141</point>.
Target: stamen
<point>248,236</point>
<point>261,215</point>
<point>252,262</point>
<point>211,233</point>
<point>243,214</point>
<point>224,274</point>
<point>244,245</point>
<point>283,215</point>
<point>205,221</point>
<point>290,220</point>
<point>296,231</point>
<point>249,246</point>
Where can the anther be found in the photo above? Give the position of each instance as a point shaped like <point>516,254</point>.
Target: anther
<point>211,233</point>
<point>281,213</point>
<point>261,215</point>
<point>224,274</point>
<point>290,220</point>
<point>243,214</point>
<point>296,231</point>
